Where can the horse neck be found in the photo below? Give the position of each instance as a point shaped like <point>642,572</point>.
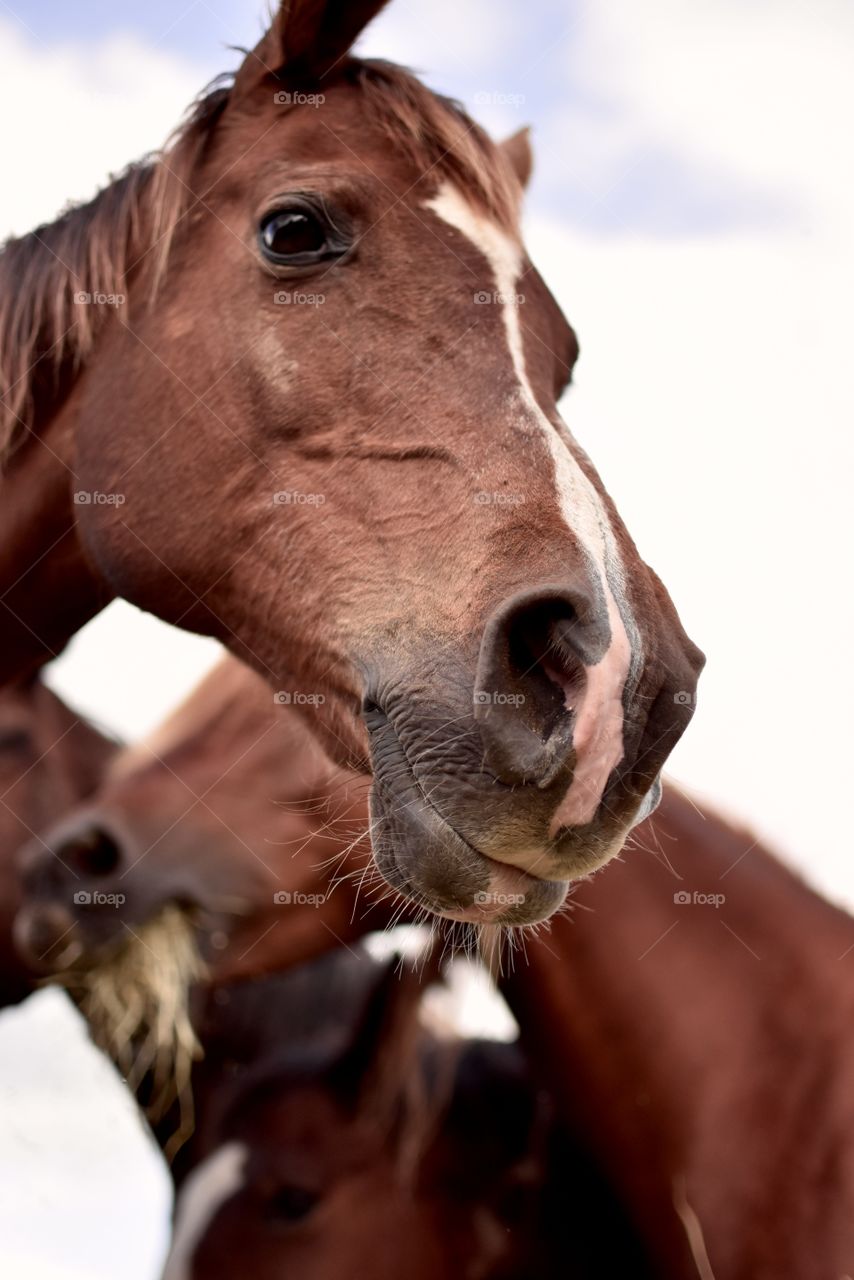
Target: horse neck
<point>706,1050</point>
<point>48,591</point>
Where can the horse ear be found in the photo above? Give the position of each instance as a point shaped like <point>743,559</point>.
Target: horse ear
<point>517,149</point>
<point>373,1067</point>
<point>305,41</point>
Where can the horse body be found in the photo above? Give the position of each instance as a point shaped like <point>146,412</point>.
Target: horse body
<point>693,1017</point>
<point>248,461</point>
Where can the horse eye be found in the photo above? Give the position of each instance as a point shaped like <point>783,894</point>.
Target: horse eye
<point>291,1203</point>
<point>294,235</point>
<point>14,741</point>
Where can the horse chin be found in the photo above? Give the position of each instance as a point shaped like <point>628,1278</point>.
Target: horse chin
<point>422,857</point>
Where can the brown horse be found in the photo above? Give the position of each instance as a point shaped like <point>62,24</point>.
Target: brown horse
<point>367,493</point>
<point>336,1137</point>
<point>701,1047</point>
<point>230,811</point>
<point>693,1016</point>
<point>50,760</point>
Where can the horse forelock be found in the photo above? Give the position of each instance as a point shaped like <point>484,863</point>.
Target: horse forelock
<point>92,248</point>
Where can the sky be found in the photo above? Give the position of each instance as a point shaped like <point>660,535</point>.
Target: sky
<point>691,208</point>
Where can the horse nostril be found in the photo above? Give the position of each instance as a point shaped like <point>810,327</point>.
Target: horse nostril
<point>543,645</point>
<point>93,852</point>
<point>531,674</point>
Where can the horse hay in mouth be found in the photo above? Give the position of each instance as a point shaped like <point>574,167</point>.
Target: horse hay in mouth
<point>136,1002</point>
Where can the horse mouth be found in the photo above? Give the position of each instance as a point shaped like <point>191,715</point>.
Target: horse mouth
<point>421,854</point>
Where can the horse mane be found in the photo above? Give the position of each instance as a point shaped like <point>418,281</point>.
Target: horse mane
<point>46,336</point>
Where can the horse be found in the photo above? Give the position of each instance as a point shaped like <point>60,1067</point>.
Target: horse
<point>275,799</point>
<point>648,1052</point>
<point>50,759</point>
<point>337,1136</point>
<point>293,383</point>
<point>692,1017</point>
<point>231,813</point>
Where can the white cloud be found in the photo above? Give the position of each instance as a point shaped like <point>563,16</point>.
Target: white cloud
<point>80,113</point>
<point>446,38</point>
<point>762,92</point>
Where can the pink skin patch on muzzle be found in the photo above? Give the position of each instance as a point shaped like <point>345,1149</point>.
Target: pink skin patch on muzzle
<point>598,735</point>
<point>508,888</point>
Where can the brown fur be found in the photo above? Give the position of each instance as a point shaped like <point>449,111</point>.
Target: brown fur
<point>304,482</point>
<point>706,1053</point>
<point>228,804</point>
<point>50,759</point>
<point>376,1150</point>
<point>45,338</point>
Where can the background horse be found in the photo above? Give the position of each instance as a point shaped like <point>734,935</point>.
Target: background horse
<point>282,477</point>
<point>278,1050</point>
<point>50,759</point>
<point>693,1018</point>
<point>230,812</point>
<point>337,1137</point>
<point>671,1031</point>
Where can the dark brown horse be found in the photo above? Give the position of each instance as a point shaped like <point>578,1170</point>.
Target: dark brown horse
<point>367,493</point>
<point>338,1138</point>
<point>693,1016</point>
<point>50,760</point>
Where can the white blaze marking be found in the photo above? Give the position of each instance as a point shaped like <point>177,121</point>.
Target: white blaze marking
<point>206,1189</point>
<point>598,735</point>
